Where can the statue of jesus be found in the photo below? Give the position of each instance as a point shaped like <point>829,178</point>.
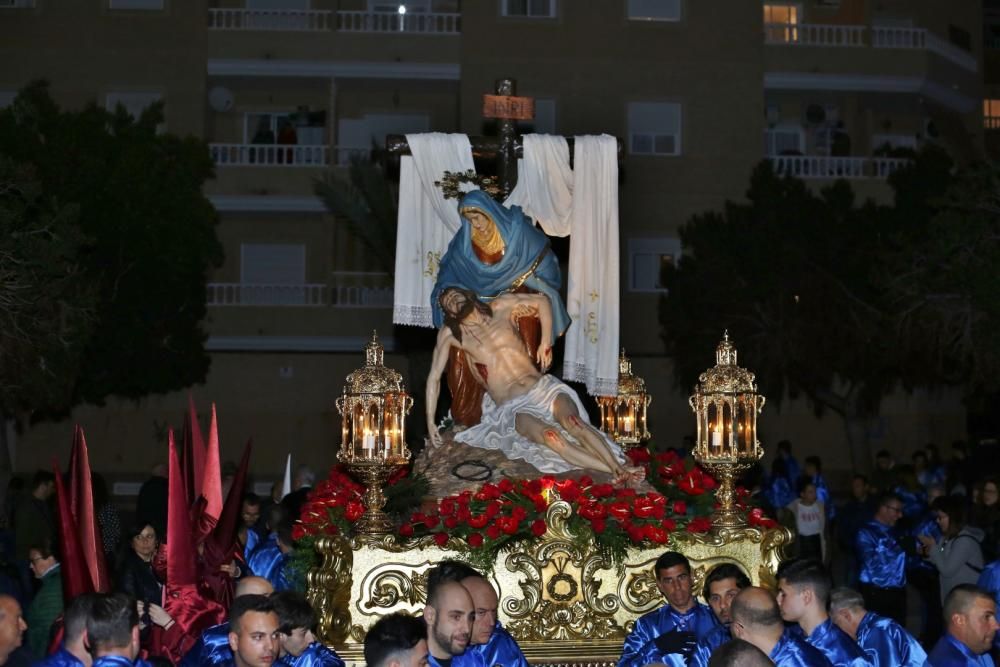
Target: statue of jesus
<point>522,408</point>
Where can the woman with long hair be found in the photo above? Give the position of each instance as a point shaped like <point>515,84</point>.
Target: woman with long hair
<point>958,555</point>
<point>134,571</point>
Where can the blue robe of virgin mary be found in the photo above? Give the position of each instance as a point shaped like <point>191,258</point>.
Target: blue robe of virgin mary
<point>526,253</point>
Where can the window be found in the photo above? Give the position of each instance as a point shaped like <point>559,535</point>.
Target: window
<point>135,4</point>
<point>134,102</point>
<point>991,114</point>
<point>654,10</point>
<point>263,127</point>
<point>781,23</point>
<point>273,274</point>
<point>544,9</point>
<point>648,259</point>
<point>544,121</point>
<point>654,128</point>
<point>784,140</point>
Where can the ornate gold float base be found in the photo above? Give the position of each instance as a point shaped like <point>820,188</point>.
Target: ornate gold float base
<point>563,601</point>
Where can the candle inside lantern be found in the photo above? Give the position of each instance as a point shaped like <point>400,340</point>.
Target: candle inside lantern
<point>627,424</point>
<point>368,444</point>
<point>716,441</point>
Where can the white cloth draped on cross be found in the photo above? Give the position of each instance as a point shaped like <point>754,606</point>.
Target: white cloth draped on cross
<point>581,202</point>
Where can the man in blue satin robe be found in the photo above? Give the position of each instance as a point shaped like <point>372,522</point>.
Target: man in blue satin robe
<point>971,625</point>
<point>803,594</point>
<point>989,581</point>
<point>72,652</point>
<point>757,619</point>
<point>397,640</point>
<point>212,647</point>
<point>721,587</point>
<point>489,638</point>
<point>298,622</point>
<point>113,631</point>
<point>270,558</point>
<point>885,641</point>
<point>449,615</point>
<point>669,634</point>
<point>883,561</point>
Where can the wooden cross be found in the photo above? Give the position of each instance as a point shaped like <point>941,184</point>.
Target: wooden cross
<point>507,108</point>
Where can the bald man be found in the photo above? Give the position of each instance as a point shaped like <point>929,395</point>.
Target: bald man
<point>12,627</point>
<point>449,614</point>
<point>756,618</point>
<point>212,648</point>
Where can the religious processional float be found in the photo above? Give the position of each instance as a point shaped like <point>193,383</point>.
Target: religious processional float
<point>569,547</point>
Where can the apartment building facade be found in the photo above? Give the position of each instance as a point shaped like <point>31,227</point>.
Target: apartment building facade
<point>284,91</point>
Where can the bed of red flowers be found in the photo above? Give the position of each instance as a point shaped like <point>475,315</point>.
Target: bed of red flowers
<point>495,516</point>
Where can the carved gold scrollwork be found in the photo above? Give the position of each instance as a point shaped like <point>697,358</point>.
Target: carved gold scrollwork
<point>329,588</point>
<point>638,591</point>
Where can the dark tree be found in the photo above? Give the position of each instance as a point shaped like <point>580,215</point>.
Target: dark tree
<point>147,242</point>
<point>815,291</point>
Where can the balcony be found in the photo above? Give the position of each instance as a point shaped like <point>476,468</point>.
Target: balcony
<point>878,37</point>
<point>346,289</point>
<point>269,155</point>
<point>823,167</point>
<point>416,23</point>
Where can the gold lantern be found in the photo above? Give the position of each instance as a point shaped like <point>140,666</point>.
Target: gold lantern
<point>726,404</point>
<point>373,412</point>
<point>623,417</point>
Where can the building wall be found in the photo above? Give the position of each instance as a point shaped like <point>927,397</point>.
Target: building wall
<point>591,60</point>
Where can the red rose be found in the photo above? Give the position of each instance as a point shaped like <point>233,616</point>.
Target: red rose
<point>635,534</point>
<point>450,522</point>
<point>570,493</point>
<point>493,508</point>
<point>585,481</point>
<point>463,498</point>
<point>406,530</point>
<point>654,534</point>
<point>447,507</point>
<point>441,539</point>
<point>680,507</point>
<point>639,455</point>
<point>354,511</point>
<point>478,520</point>
<point>538,527</point>
<point>491,491</point>
<point>298,531</point>
<point>699,524</point>
<point>331,529</point>
<point>625,493</point>
<point>505,485</point>
<point>691,484</point>
<point>508,524</point>
<point>519,513</point>
<point>493,532</point>
<point>598,526</point>
<point>601,490</point>
<point>643,508</point>
<point>540,504</point>
<point>669,525</point>
<point>620,510</point>
<point>475,540</point>
<point>431,521</point>
<point>592,510</point>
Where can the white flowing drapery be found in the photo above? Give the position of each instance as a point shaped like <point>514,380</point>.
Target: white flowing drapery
<point>581,202</point>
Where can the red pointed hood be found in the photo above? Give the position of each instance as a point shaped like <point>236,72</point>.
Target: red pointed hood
<point>221,546</point>
<point>211,489</point>
<point>195,450</point>
<point>85,514</point>
<point>181,556</point>
<point>75,575</point>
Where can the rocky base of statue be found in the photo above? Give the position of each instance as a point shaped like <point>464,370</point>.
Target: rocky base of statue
<point>455,466</point>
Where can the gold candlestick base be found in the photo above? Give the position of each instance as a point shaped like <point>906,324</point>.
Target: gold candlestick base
<point>374,474</point>
<point>727,516</point>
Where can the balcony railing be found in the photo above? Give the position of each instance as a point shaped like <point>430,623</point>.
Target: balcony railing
<point>879,37</point>
<point>346,289</point>
<point>815,34</point>
<point>433,23</point>
<point>269,155</point>
<point>813,167</point>
<point>422,23</point>
<point>269,19</point>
